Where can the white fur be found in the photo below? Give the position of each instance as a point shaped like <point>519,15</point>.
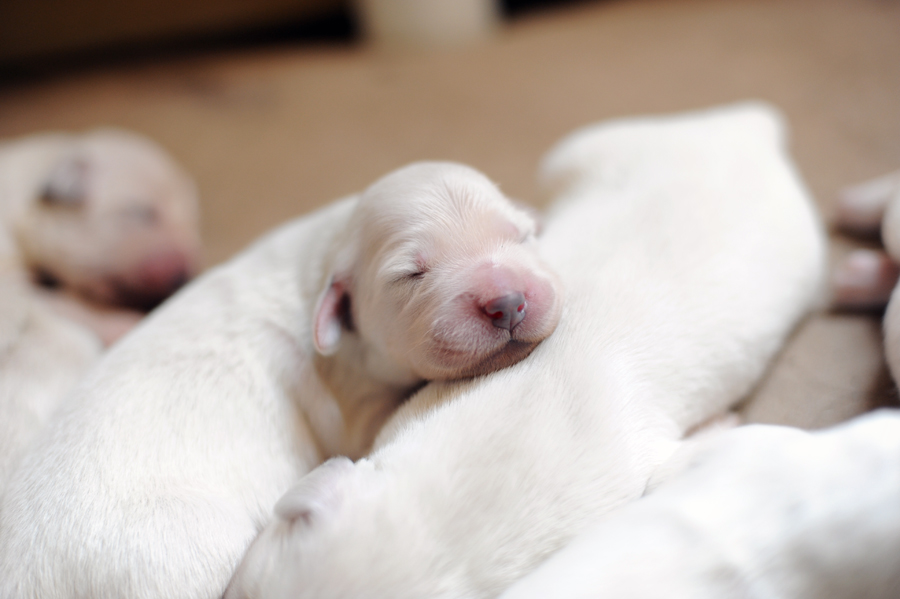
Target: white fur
<point>156,476</point>
<point>761,511</point>
<point>688,248</point>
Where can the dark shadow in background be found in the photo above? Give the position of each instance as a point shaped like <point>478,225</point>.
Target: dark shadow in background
<point>336,26</point>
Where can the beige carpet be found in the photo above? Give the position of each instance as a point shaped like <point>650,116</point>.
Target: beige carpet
<point>272,133</point>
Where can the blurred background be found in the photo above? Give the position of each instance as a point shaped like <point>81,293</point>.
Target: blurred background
<point>279,106</point>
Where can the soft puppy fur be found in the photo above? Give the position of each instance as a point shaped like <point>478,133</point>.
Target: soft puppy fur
<point>760,511</point>
<point>155,477</point>
<point>689,249</point>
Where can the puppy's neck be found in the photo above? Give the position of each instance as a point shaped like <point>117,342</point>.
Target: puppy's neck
<point>366,399</point>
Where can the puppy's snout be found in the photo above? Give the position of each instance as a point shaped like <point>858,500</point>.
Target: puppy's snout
<point>155,279</point>
<point>506,311</point>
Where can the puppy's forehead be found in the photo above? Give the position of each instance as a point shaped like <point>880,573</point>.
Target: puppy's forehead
<point>123,169</point>
<point>425,196</point>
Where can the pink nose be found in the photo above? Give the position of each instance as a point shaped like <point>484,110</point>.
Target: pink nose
<point>506,311</point>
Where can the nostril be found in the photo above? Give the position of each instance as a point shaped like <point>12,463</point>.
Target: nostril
<point>506,311</point>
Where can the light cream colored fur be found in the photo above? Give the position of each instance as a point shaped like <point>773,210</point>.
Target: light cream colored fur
<point>760,511</point>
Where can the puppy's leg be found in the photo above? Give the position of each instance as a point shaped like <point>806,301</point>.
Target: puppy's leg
<point>861,208</point>
<point>864,280</point>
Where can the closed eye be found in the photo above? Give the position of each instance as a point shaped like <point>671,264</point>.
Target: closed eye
<point>410,277</point>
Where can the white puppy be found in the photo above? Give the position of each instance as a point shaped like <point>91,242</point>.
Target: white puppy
<point>689,249</point>
<point>154,479</point>
<point>761,511</point>
<point>106,215</point>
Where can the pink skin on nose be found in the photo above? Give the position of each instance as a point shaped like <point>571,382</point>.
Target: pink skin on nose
<point>502,293</point>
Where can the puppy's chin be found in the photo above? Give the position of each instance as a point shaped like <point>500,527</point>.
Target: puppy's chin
<point>508,354</point>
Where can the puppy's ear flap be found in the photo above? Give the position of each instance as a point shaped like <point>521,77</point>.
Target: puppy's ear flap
<point>317,493</point>
<point>67,183</point>
<point>533,213</point>
<point>331,313</point>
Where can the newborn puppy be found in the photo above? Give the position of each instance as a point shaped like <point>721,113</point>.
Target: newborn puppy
<point>761,511</point>
<point>689,249</point>
<point>107,215</point>
<point>156,476</point>
<point>438,272</point>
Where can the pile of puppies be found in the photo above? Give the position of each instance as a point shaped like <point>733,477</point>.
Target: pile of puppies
<point>501,394</point>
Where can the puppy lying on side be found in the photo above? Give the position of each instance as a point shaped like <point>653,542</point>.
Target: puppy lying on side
<point>106,216</point>
<point>689,249</point>
<point>157,475</point>
<point>761,511</point>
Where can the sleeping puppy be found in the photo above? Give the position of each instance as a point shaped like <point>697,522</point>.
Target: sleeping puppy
<point>106,215</point>
<point>155,477</point>
<point>689,249</point>
<point>438,273</point>
<point>761,511</point>
<point>111,221</point>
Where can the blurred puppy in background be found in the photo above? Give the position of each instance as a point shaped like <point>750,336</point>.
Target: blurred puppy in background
<point>94,229</point>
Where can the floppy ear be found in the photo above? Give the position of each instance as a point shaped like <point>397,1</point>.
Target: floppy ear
<point>329,316</point>
<point>318,492</point>
<point>67,183</point>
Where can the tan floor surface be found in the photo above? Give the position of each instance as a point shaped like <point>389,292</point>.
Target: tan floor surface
<point>272,133</point>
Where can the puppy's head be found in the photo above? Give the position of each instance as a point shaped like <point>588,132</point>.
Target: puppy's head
<point>113,219</point>
<point>344,531</point>
<point>440,276</point>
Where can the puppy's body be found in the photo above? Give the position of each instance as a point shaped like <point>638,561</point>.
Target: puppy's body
<point>159,470</point>
<point>761,511</point>
<point>167,461</point>
<point>688,249</point>
<point>42,358</point>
